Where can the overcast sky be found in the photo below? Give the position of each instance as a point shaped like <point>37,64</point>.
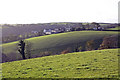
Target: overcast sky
<point>44,11</point>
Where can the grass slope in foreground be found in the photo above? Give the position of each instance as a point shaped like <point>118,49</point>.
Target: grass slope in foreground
<point>88,64</point>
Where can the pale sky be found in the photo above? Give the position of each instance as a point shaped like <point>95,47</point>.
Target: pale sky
<point>44,11</point>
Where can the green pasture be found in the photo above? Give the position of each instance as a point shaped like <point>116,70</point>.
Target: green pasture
<point>88,64</point>
<point>56,43</point>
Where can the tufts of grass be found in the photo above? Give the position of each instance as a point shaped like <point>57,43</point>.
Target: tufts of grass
<point>90,64</point>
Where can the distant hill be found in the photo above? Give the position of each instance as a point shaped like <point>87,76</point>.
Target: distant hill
<point>55,43</point>
<point>88,64</point>
<point>22,29</point>
<point>14,32</point>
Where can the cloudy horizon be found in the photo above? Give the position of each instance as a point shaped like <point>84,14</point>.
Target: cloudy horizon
<point>46,11</point>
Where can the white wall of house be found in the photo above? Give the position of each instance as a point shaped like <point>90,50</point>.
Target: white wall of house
<point>48,33</point>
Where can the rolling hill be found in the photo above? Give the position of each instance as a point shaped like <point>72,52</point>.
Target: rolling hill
<point>57,42</point>
<point>88,64</point>
<point>16,29</point>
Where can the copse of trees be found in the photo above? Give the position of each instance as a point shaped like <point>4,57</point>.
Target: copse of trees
<point>110,42</point>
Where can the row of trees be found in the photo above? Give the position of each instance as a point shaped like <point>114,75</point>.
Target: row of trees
<point>90,45</point>
<point>108,42</point>
<point>87,27</point>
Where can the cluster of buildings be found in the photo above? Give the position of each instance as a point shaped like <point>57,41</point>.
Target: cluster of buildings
<point>92,26</point>
<point>56,30</point>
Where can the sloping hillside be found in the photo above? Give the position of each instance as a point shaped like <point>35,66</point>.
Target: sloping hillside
<point>16,29</point>
<point>58,42</point>
<point>89,64</point>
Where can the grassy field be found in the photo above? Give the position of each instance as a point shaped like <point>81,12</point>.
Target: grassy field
<point>59,42</point>
<point>88,64</point>
<point>116,28</point>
